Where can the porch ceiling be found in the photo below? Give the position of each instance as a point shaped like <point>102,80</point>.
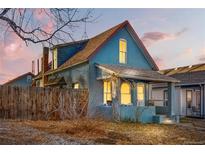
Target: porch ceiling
<point>133,73</point>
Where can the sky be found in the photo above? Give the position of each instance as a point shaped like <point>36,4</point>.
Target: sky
<point>173,37</point>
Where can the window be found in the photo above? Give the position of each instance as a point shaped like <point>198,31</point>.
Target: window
<point>125,94</point>
<point>189,98</point>
<point>29,78</point>
<point>107,92</point>
<point>165,98</point>
<point>140,93</point>
<point>55,58</point>
<point>123,51</point>
<point>76,86</point>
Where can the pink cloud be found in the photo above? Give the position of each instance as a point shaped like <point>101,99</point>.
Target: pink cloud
<point>150,38</point>
<point>15,58</point>
<point>48,27</point>
<point>44,16</point>
<point>186,54</point>
<point>40,14</point>
<point>160,62</point>
<point>201,58</point>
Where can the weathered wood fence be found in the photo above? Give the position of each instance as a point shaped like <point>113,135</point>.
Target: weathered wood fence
<point>42,103</point>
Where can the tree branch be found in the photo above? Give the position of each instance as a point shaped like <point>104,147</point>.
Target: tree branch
<point>26,25</point>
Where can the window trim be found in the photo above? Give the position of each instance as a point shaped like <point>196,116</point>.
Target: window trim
<point>144,92</point>
<point>122,52</point>
<point>130,93</point>
<point>55,63</point>
<point>106,93</point>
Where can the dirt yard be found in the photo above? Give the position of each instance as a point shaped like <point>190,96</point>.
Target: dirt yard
<point>84,131</point>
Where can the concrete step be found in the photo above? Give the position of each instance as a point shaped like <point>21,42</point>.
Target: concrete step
<point>168,121</point>
<point>162,119</point>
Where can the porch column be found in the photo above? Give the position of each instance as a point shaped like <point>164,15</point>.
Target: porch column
<point>171,98</point>
<point>203,108</point>
<point>134,93</point>
<point>201,100</point>
<point>116,99</point>
<point>148,93</point>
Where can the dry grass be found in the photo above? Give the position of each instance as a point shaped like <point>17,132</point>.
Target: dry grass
<point>103,132</point>
<point>90,131</point>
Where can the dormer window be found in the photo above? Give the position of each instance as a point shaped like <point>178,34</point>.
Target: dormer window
<point>55,58</point>
<point>123,51</point>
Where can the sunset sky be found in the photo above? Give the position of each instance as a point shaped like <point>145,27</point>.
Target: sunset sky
<point>173,37</point>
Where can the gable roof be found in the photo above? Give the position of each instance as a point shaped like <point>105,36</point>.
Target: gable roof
<point>135,73</point>
<point>17,78</point>
<point>184,69</point>
<point>94,44</point>
<point>69,44</point>
<point>188,75</point>
<point>190,78</point>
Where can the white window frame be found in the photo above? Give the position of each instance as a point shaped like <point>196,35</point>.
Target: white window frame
<point>140,101</point>
<point>123,52</point>
<point>55,62</point>
<point>130,93</point>
<point>105,92</point>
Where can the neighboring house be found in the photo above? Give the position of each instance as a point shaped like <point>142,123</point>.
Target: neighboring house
<point>190,92</point>
<point>22,80</point>
<point>116,69</point>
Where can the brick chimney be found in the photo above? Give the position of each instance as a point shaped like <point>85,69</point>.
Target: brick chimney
<point>45,64</point>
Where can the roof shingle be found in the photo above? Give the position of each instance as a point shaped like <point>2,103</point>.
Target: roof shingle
<point>187,74</point>
<point>94,44</point>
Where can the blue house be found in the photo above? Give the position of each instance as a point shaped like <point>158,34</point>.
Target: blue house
<point>116,69</point>
<point>22,80</point>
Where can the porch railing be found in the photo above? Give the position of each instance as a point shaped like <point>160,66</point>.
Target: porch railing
<point>160,104</point>
<point>157,102</point>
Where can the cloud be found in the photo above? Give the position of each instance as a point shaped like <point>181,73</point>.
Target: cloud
<point>48,27</point>
<point>40,14</point>
<point>201,58</point>
<point>172,59</point>
<point>15,58</point>
<point>44,16</point>
<point>160,62</point>
<point>179,33</point>
<point>186,54</point>
<point>150,38</point>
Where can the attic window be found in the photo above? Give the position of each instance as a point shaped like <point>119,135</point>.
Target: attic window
<point>123,51</point>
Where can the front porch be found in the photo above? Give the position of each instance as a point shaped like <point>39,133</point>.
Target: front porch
<point>127,94</point>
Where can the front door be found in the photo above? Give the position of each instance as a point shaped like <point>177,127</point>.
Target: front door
<point>198,102</point>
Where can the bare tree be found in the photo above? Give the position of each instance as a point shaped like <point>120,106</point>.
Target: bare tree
<point>44,25</point>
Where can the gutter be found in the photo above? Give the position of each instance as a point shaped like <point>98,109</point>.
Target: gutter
<point>134,77</point>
